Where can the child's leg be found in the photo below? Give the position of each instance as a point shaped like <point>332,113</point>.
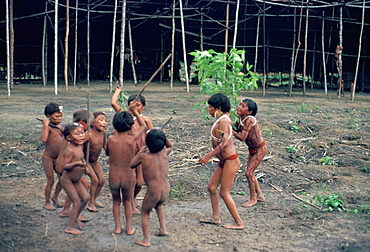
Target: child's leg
<point>213,184</point>
<point>138,186</point>
<point>162,220</point>
<point>49,173</point>
<point>93,187</point>
<point>254,187</point>
<point>127,197</point>
<point>99,173</point>
<point>57,190</point>
<point>71,191</point>
<point>84,197</point>
<point>148,204</point>
<point>228,173</point>
<point>116,209</point>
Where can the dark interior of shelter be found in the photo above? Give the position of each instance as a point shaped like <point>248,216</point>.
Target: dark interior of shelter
<point>277,36</point>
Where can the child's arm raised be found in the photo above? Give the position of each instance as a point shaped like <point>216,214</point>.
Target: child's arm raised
<point>140,120</point>
<point>45,130</point>
<point>114,100</point>
<point>245,130</point>
<point>137,159</point>
<point>168,146</point>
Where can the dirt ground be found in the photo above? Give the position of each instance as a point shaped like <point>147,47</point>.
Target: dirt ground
<point>315,126</point>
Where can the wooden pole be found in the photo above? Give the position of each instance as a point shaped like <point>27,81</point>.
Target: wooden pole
<point>173,44</point>
<point>11,42</point>
<point>88,44</point>
<point>184,47</point>
<point>201,32</point>
<point>236,22</point>
<point>359,51</point>
<point>257,38</point>
<point>7,47</point>
<point>44,81</point>
<point>122,45</point>
<point>339,61</point>
<point>305,53</point>
<point>56,48</point>
<point>291,79</point>
<point>323,52</point>
<point>132,53</point>
<point>227,27</point>
<point>76,47</point>
<point>313,61</point>
<point>66,46</point>
<point>87,156</point>
<point>113,46</point>
<point>264,49</point>
<point>298,39</point>
<point>153,75</point>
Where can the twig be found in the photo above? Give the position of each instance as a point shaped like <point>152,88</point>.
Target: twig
<point>115,242</point>
<point>46,229</point>
<point>308,203</point>
<point>277,189</point>
<point>21,152</point>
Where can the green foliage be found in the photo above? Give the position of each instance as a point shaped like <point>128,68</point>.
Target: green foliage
<point>122,99</point>
<point>291,149</point>
<point>222,73</point>
<point>175,110</point>
<point>266,132</point>
<point>302,159</point>
<point>302,108</point>
<point>294,128</point>
<point>331,202</point>
<point>365,169</point>
<point>327,161</point>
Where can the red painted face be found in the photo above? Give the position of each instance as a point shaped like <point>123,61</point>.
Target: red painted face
<point>139,106</point>
<point>77,136</point>
<point>100,122</point>
<point>242,109</point>
<point>56,118</point>
<point>211,110</point>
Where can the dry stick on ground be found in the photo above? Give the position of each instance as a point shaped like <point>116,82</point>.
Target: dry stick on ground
<point>308,203</point>
<point>151,78</point>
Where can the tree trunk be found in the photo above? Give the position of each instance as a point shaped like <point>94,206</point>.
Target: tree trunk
<point>88,44</point>
<point>173,43</point>
<point>113,46</point>
<point>305,54</point>
<point>56,48</point>
<point>43,49</point>
<point>353,91</point>
<point>66,47</point>
<point>184,48</point>
<point>122,46</point>
<point>236,22</point>
<point>76,47</point>
<point>323,53</point>
<point>132,53</point>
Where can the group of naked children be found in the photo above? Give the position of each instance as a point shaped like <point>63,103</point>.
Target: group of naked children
<point>138,153</point>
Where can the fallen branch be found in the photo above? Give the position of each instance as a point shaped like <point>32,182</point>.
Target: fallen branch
<point>277,189</point>
<point>308,203</point>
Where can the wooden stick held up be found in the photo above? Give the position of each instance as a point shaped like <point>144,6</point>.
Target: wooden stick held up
<point>151,78</point>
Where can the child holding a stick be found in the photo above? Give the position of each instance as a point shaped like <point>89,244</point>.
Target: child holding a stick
<point>73,165</point>
<point>223,149</point>
<point>52,137</point>
<point>154,160</point>
<point>121,149</point>
<point>140,105</point>
<point>249,131</point>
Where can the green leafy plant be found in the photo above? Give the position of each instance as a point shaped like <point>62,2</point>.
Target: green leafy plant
<point>302,108</point>
<point>302,159</point>
<point>222,73</point>
<point>175,110</point>
<point>122,99</point>
<point>291,149</point>
<point>365,169</point>
<point>331,202</point>
<point>294,128</point>
<point>356,126</point>
<point>327,161</point>
<point>266,132</point>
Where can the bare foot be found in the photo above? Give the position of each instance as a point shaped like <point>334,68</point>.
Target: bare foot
<point>161,233</point>
<point>49,207</point>
<point>118,230</point>
<point>210,221</point>
<point>79,224</point>
<point>82,219</point>
<point>234,226</point>
<point>92,209</point>
<point>260,198</point>
<point>250,203</point>
<point>64,214</point>
<point>98,204</point>
<point>57,202</point>
<point>73,231</point>
<point>135,211</point>
<point>130,231</point>
<point>142,243</point>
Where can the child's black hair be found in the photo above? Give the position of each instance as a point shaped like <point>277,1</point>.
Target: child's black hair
<point>220,101</point>
<point>133,97</point>
<point>69,127</point>
<point>122,121</point>
<point>252,105</point>
<point>98,113</point>
<point>52,108</point>
<point>83,115</point>
<point>155,140</point>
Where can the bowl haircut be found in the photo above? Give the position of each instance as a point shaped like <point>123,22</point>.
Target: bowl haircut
<point>123,121</point>
<point>155,140</point>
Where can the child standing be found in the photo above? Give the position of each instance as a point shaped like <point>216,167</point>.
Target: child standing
<point>52,136</point>
<point>97,143</point>
<point>121,149</point>
<point>223,149</point>
<point>73,164</point>
<point>140,105</point>
<point>155,171</point>
<point>249,131</point>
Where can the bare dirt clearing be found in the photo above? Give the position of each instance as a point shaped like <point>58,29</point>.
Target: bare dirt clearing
<point>311,127</point>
